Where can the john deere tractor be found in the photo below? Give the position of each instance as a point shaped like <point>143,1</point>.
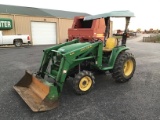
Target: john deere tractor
<point>79,61</point>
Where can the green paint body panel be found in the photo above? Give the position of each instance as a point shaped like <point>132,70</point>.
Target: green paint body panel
<point>6,24</point>
<point>71,47</point>
<point>53,93</point>
<point>115,52</point>
<point>67,56</point>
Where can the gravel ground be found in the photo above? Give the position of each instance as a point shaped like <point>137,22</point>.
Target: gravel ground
<point>138,99</point>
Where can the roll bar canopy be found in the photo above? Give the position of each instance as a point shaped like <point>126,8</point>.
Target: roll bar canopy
<point>125,13</point>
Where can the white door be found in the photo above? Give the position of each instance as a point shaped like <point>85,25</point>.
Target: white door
<point>1,38</point>
<point>43,33</point>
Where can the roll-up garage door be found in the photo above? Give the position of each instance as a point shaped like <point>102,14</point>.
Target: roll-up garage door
<point>43,33</point>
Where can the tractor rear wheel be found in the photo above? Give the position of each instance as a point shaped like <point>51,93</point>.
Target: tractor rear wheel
<point>83,82</point>
<point>124,67</point>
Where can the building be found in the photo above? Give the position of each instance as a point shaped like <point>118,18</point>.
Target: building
<point>45,26</point>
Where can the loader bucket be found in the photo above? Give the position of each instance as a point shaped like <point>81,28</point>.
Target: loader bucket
<point>39,95</point>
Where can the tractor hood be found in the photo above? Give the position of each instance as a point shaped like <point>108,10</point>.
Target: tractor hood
<point>72,47</point>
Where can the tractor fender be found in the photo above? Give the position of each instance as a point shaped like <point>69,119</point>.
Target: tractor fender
<point>115,52</point>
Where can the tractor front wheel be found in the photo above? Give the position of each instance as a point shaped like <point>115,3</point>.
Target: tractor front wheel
<point>83,82</point>
<point>124,67</point>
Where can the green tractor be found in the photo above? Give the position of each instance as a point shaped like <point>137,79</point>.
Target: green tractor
<point>79,61</point>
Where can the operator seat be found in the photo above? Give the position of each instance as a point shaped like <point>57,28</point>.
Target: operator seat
<point>110,44</point>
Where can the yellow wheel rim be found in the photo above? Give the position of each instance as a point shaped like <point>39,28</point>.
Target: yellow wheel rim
<point>85,83</point>
<point>128,67</point>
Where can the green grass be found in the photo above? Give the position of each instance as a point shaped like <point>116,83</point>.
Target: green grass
<point>158,38</point>
<point>155,38</point>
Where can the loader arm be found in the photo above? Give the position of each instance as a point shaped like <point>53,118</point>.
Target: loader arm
<point>68,60</point>
<point>37,91</point>
<point>47,56</point>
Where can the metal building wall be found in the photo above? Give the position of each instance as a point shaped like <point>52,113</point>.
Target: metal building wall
<point>22,25</point>
<point>8,32</point>
<point>64,24</point>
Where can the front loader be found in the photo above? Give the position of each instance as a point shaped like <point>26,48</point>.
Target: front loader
<point>80,61</point>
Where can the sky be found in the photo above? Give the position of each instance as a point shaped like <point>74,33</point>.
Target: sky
<point>147,12</point>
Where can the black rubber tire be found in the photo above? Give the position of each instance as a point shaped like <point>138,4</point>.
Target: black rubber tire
<point>77,80</point>
<point>118,70</point>
<point>18,43</point>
